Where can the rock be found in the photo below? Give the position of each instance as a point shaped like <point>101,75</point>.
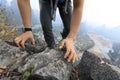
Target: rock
<point>49,64</point>
<point>39,46</point>
<point>38,77</point>
<point>93,67</point>
<point>37,62</point>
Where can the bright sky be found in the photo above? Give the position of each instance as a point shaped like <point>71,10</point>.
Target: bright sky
<point>97,11</point>
<point>102,12</point>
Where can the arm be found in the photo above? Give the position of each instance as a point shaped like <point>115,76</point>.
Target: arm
<point>75,23</point>
<point>76,18</point>
<point>25,10</point>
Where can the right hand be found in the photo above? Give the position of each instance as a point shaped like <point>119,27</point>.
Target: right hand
<point>20,40</point>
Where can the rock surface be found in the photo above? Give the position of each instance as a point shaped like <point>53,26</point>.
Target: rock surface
<point>49,63</point>
<point>93,67</point>
<point>42,63</point>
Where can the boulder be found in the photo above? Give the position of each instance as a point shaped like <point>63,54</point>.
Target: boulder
<point>47,64</point>
<point>38,62</point>
<point>94,67</point>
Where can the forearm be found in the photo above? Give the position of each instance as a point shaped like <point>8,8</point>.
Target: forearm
<point>25,10</point>
<point>76,18</point>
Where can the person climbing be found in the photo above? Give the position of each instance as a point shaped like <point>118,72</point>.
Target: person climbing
<point>71,21</point>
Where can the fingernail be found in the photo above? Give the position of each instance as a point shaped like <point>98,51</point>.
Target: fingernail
<point>60,47</point>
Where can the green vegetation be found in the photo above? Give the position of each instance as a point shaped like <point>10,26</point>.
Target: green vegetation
<point>28,72</point>
<point>6,30</point>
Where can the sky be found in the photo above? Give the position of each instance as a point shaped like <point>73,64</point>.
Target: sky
<point>96,11</point>
<point>102,12</point>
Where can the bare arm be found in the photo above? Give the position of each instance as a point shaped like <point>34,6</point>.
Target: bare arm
<point>75,23</point>
<point>76,18</point>
<point>25,10</point>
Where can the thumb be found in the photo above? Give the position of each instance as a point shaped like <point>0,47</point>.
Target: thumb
<point>33,40</point>
<point>62,44</point>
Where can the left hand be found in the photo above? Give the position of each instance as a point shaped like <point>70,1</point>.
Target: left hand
<point>70,49</point>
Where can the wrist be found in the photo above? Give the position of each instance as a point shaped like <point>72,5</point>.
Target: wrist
<point>27,29</point>
<point>71,38</point>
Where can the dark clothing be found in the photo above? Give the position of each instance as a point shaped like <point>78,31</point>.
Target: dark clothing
<point>61,1</point>
<point>53,5</point>
<point>46,19</point>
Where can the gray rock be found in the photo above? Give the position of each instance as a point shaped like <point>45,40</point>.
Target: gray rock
<point>39,46</point>
<point>49,64</point>
<point>93,67</point>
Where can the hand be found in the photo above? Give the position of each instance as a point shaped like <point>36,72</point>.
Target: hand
<point>20,40</point>
<point>70,50</point>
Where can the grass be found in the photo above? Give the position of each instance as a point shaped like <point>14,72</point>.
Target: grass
<point>6,30</point>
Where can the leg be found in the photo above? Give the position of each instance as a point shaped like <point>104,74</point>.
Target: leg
<point>45,18</point>
<point>66,18</point>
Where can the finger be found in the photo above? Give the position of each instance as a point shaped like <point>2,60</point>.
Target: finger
<point>67,53</point>
<point>33,40</point>
<point>17,38</point>
<point>76,57</point>
<point>23,44</point>
<point>62,44</point>
<point>18,42</point>
<point>71,57</point>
